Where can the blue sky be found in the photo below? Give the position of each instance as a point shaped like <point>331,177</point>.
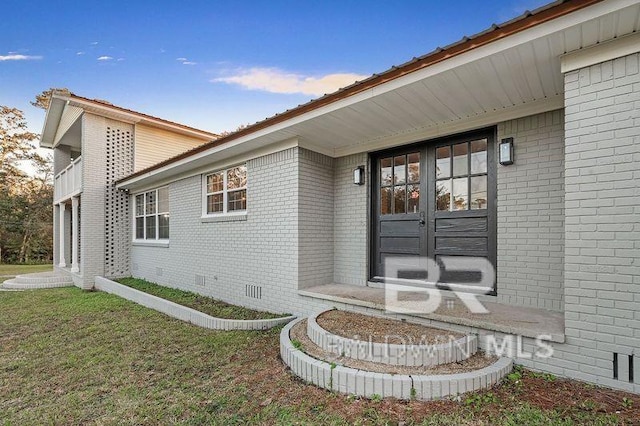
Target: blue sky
<point>219,64</point>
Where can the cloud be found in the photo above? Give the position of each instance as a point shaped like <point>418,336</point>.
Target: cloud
<point>181,59</point>
<point>94,43</point>
<point>120,59</point>
<point>79,53</point>
<point>16,57</point>
<point>105,58</point>
<point>275,80</point>
<point>189,63</point>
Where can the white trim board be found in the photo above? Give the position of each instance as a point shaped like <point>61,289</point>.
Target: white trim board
<point>599,53</point>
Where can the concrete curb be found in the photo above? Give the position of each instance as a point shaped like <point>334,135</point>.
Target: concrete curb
<point>367,384</point>
<point>410,354</point>
<point>184,313</point>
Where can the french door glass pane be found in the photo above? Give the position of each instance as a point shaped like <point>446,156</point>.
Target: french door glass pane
<point>413,171</point>
<point>479,156</point>
<point>443,195</point>
<point>399,170</point>
<point>460,196</point>
<point>386,172</point>
<point>385,200</point>
<point>399,199</point>
<point>460,160</point>
<point>443,162</point>
<point>413,198</point>
<point>478,192</point>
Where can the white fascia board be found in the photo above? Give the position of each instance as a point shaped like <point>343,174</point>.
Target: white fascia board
<point>558,24</point>
<point>599,53</point>
<point>132,118</point>
<point>152,180</point>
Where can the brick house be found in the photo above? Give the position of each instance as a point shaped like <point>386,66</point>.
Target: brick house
<point>519,145</point>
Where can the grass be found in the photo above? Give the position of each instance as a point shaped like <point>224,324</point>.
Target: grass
<point>9,271</point>
<point>204,304</point>
<point>71,357</point>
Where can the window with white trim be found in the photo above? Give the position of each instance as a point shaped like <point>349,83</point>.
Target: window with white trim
<point>152,215</point>
<point>226,191</point>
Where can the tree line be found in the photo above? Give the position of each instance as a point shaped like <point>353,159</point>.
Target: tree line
<point>26,199</point>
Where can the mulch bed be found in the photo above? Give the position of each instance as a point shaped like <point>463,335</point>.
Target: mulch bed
<point>382,330</point>
<point>299,333</point>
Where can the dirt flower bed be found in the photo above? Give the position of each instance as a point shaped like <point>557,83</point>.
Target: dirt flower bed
<point>204,304</point>
<point>299,333</point>
<point>381,330</point>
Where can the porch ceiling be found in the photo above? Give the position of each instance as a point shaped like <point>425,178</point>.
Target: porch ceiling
<point>516,81</point>
<point>511,77</point>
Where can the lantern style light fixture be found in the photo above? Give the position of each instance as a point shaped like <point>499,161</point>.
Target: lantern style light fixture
<point>358,175</point>
<point>506,151</point>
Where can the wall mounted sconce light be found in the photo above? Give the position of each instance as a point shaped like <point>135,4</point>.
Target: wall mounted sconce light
<point>506,151</point>
<point>358,175</point>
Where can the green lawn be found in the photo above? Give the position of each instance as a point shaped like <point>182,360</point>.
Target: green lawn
<point>10,271</point>
<point>73,357</point>
<point>205,304</point>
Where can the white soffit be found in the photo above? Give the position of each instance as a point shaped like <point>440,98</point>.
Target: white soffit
<point>598,53</point>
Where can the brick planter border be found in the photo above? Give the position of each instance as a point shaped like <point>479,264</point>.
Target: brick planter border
<point>184,313</point>
<point>369,384</point>
<point>395,354</point>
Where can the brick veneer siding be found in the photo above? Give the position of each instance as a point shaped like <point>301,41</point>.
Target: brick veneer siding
<point>530,213</point>
<point>260,251</point>
<point>351,236</point>
<point>315,219</point>
<point>602,238</point>
<point>96,181</point>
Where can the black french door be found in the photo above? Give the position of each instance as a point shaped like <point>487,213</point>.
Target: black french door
<point>435,199</point>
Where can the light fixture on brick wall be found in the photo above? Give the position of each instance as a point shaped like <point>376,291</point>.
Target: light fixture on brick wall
<point>506,151</point>
<point>358,175</point>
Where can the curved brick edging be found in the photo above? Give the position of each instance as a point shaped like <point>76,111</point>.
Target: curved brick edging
<point>184,313</point>
<point>387,353</point>
<point>367,384</point>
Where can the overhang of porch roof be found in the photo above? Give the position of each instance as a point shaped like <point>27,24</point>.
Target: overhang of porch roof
<point>511,77</point>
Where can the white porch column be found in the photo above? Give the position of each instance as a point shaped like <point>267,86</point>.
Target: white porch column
<point>75,218</point>
<point>63,262</point>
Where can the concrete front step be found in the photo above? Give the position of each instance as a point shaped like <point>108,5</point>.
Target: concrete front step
<point>38,280</point>
<point>372,384</point>
<point>410,354</point>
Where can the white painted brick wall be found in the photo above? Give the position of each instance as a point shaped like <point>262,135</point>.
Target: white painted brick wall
<point>261,250</point>
<point>530,213</point>
<point>315,219</point>
<point>602,208</point>
<point>350,222</point>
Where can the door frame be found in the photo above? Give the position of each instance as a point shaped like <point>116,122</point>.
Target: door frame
<point>427,187</point>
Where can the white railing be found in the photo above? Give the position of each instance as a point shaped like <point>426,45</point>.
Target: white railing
<point>68,182</point>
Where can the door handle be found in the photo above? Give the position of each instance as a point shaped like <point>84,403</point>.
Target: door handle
<point>422,221</point>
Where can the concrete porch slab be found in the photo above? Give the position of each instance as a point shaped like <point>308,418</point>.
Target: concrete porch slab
<point>517,320</point>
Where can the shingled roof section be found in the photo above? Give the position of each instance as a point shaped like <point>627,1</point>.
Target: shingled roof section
<point>528,19</point>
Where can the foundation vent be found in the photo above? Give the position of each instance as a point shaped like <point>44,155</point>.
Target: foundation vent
<point>200,280</point>
<point>623,368</point>
<point>253,291</point>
